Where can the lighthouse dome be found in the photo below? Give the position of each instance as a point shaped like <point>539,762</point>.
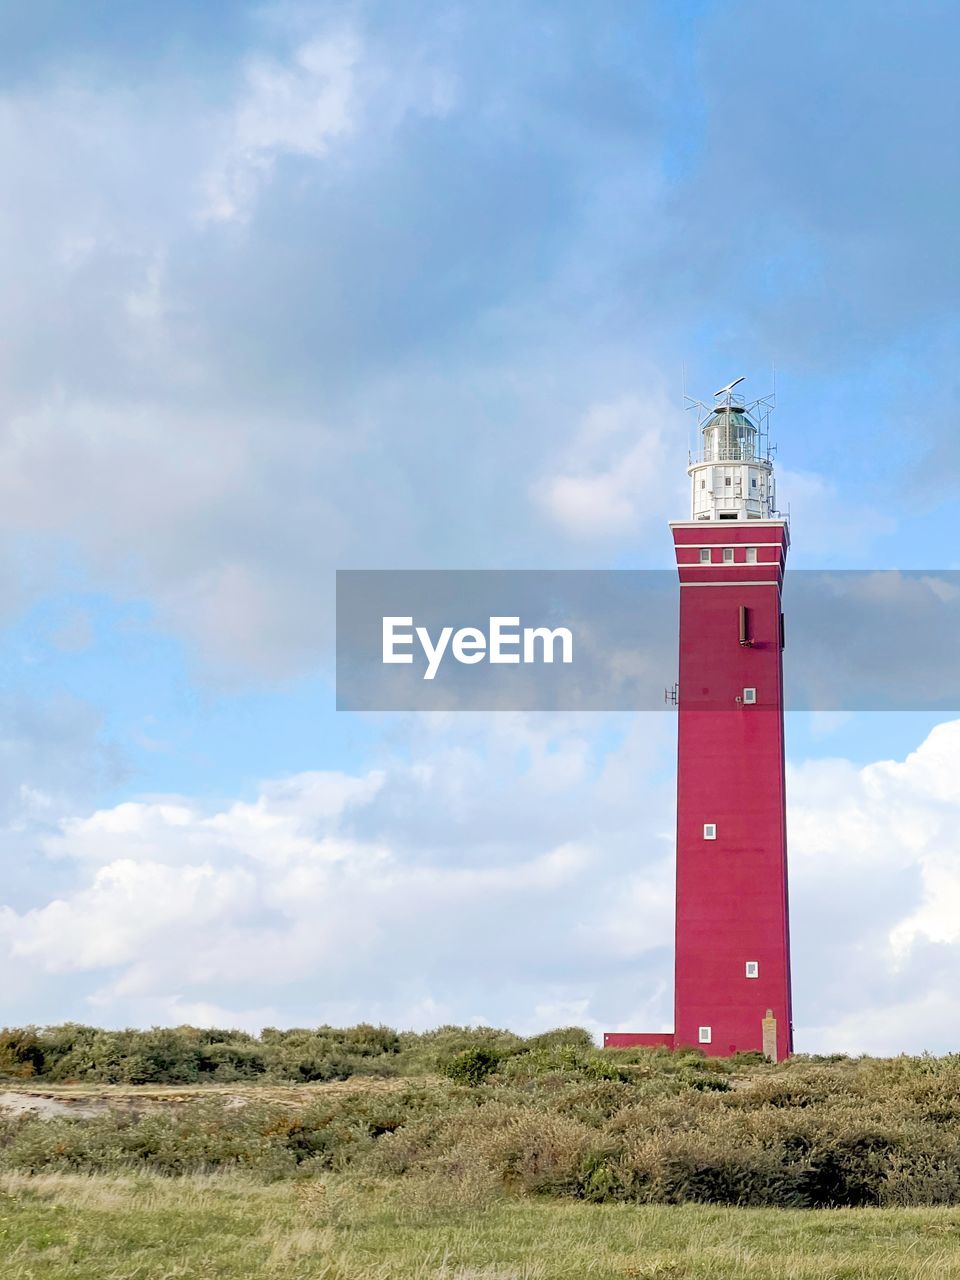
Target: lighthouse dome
<point>729,435</point>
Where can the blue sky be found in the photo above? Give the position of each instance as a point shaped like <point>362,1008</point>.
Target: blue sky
<point>291,288</point>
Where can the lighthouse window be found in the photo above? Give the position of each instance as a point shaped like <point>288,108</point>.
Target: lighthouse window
<point>704,555</point>
<point>727,480</point>
<point>706,1035</point>
<point>703,484</point>
<point>753,969</point>
<point>751,555</point>
<point>753,481</point>
<point>728,555</point>
<point>709,831</point>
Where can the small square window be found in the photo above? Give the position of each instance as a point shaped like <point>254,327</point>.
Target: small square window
<point>709,831</point>
<point>704,555</point>
<point>751,555</point>
<point>728,555</point>
<point>727,480</point>
<point>753,968</point>
<point>749,696</point>
<point>706,1035</point>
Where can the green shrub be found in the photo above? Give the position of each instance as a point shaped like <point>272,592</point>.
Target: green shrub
<point>575,1037</point>
<point>21,1053</point>
<point>471,1066</point>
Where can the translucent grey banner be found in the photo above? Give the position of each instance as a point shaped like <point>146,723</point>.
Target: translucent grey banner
<point>607,640</point>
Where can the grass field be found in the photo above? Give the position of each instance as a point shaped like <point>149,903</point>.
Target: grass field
<point>150,1228</point>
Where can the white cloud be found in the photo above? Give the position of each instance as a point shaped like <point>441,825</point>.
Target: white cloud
<point>123,434</point>
<point>924,1021</point>
<point>874,854</point>
<point>172,1011</point>
<point>297,107</point>
<point>518,868</point>
<point>431,884</point>
<point>609,479</point>
<point>283,826</point>
<point>193,509</point>
<point>129,909</point>
<point>829,522</point>
<point>640,914</point>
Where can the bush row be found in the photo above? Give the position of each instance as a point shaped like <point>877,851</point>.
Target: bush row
<point>188,1055</point>
<point>556,1117</point>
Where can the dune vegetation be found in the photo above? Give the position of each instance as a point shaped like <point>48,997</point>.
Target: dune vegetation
<point>467,1152</point>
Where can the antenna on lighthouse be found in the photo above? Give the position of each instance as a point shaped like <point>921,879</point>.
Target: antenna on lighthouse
<point>725,391</point>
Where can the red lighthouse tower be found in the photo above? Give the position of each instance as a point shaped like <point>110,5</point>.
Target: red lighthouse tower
<point>732,979</point>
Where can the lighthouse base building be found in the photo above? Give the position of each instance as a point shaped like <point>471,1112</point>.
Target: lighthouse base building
<point>732,967</point>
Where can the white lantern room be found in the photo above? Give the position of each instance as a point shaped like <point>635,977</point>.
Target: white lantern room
<point>731,471</point>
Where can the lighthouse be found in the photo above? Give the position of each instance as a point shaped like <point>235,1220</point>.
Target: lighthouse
<point>732,966</point>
